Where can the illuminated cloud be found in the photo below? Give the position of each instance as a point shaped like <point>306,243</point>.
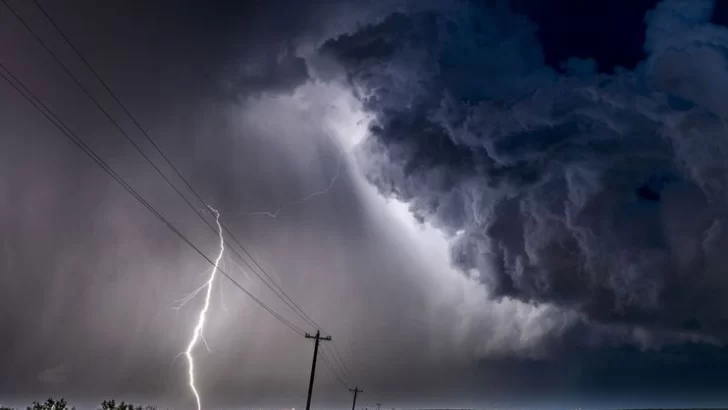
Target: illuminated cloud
<point>599,194</point>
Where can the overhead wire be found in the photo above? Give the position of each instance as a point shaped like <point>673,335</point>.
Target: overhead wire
<point>333,371</point>
<point>273,286</point>
<point>340,361</point>
<point>277,289</point>
<point>41,107</point>
<point>295,307</point>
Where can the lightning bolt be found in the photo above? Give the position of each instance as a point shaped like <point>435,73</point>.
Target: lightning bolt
<point>274,214</point>
<point>197,333</point>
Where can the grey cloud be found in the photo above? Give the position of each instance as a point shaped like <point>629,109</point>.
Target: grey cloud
<point>596,193</point>
<point>283,72</point>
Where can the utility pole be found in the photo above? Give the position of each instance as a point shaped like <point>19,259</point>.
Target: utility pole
<point>356,391</point>
<point>318,338</point>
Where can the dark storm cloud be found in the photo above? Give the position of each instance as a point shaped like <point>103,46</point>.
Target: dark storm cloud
<point>548,176</point>
<point>605,194</point>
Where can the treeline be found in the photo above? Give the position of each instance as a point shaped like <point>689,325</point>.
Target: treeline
<point>61,404</point>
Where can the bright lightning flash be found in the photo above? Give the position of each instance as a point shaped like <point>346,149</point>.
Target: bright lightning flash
<point>197,334</point>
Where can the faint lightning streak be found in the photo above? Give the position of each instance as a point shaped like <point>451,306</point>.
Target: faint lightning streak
<point>324,191</point>
<point>197,334</point>
<point>180,303</point>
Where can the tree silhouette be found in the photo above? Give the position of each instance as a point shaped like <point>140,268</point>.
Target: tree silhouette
<point>111,405</point>
<point>61,404</point>
<point>50,404</point>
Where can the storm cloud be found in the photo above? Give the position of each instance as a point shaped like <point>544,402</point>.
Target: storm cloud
<point>571,209</point>
<point>603,194</point>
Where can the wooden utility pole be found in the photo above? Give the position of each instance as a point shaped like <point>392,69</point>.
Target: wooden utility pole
<point>318,338</point>
<point>356,391</point>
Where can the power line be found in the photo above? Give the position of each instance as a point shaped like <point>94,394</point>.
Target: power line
<point>338,366</point>
<point>38,104</point>
<point>337,356</point>
<point>166,158</point>
<point>275,288</point>
<point>337,377</point>
<point>332,370</point>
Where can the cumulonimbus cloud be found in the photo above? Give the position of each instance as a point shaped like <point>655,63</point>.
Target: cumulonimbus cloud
<point>601,194</point>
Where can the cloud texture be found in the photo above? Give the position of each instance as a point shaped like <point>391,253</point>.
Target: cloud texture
<point>600,194</point>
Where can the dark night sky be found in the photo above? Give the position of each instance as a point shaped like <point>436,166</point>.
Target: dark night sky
<point>526,206</point>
